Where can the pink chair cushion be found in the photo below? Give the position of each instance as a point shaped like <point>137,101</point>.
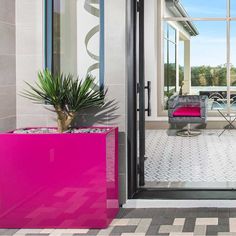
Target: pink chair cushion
<point>187,111</point>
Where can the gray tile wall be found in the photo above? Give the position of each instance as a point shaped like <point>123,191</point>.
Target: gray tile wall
<point>29,59</point>
<point>7,65</point>
<point>115,77</point>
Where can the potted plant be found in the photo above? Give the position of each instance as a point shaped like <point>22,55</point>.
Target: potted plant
<point>67,96</point>
<point>65,177</point>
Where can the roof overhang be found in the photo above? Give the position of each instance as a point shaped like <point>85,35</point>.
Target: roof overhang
<point>178,10</point>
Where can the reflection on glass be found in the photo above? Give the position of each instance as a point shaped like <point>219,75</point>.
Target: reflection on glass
<point>65,36</point>
<point>172,34</point>
<point>202,69</point>
<point>233,65</point>
<point>181,65</point>
<point>76,45</point>
<point>169,63</point>
<point>233,86</point>
<point>208,58</point>
<point>165,29</point>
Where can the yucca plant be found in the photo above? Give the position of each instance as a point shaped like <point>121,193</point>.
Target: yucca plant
<point>67,95</point>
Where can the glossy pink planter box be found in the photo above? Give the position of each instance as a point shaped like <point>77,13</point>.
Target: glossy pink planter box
<point>58,180</point>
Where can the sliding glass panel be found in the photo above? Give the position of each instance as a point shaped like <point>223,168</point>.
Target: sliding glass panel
<point>208,59</point>
<point>201,61</point>
<point>233,67</point>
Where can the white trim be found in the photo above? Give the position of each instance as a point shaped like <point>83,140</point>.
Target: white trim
<point>177,60</point>
<point>228,59</point>
<point>160,56</point>
<point>142,203</point>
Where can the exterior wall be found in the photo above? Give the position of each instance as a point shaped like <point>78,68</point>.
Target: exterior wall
<point>29,59</point>
<point>151,52</point>
<point>7,65</point>
<point>115,77</point>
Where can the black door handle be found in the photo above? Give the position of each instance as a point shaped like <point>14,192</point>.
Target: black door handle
<point>148,87</point>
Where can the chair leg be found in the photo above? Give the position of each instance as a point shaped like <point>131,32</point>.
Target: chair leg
<point>188,132</point>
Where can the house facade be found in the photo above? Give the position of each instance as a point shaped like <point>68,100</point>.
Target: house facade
<point>125,44</point>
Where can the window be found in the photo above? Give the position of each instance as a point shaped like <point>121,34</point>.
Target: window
<point>204,49</point>
<point>170,61</point>
<point>71,46</point>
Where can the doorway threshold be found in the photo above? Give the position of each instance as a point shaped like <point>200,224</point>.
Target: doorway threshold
<point>185,194</point>
<point>154,203</point>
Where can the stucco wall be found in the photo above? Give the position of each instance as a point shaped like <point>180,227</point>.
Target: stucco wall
<point>7,65</point>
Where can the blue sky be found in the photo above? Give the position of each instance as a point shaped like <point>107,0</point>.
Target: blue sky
<point>209,47</point>
<point>205,8</point>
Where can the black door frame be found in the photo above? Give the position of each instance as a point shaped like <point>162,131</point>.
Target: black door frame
<point>134,191</point>
<point>141,92</point>
<point>131,13</point>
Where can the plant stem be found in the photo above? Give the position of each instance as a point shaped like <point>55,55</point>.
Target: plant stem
<point>64,124</point>
<point>64,120</point>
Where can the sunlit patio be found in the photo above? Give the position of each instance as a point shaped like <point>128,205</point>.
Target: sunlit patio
<point>206,161</point>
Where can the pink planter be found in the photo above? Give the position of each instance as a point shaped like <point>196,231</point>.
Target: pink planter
<point>58,180</point>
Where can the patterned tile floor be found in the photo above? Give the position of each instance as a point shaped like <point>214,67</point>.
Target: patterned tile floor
<point>159,222</point>
<point>206,158</point>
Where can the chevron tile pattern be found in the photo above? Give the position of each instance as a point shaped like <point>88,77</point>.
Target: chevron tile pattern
<point>206,158</point>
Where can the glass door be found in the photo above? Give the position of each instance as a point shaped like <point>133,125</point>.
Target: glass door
<point>143,92</point>
<point>188,56</point>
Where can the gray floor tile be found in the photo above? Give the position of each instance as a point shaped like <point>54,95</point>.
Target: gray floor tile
<point>211,230</point>
<point>223,224</point>
<point>118,230</point>
<point>190,212</point>
<point>137,213</point>
<point>92,232</point>
<point>153,230</point>
<point>189,224</point>
<point>232,212</point>
<point>207,212</point>
<point>123,212</point>
<point>223,212</point>
<point>163,220</point>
